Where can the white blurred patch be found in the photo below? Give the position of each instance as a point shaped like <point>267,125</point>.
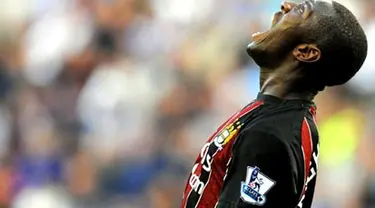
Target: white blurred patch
<point>122,96</point>
<point>50,40</point>
<point>42,198</point>
<point>15,11</point>
<point>182,11</point>
<point>41,7</point>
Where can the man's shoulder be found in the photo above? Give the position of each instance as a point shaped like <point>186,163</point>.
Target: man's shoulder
<point>261,139</point>
<point>278,126</point>
<point>279,122</point>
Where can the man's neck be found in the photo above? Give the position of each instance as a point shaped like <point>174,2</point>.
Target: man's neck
<point>281,83</point>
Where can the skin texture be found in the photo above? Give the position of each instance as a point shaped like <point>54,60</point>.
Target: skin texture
<point>281,55</point>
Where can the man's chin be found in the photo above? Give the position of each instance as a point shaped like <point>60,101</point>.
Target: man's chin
<point>251,48</point>
<point>259,53</point>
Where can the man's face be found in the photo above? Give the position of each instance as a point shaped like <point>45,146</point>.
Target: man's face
<point>269,48</point>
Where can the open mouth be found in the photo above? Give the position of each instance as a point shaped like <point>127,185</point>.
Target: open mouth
<point>259,36</point>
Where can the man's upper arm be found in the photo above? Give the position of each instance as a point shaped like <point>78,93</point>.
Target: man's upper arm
<point>260,174</point>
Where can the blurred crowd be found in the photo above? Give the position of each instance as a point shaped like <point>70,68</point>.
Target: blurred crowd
<point>106,103</point>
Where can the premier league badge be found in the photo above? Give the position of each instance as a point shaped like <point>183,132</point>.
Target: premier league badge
<point>254,189</point>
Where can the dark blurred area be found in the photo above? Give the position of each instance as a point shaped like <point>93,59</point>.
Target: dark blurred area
<point>106,103</point>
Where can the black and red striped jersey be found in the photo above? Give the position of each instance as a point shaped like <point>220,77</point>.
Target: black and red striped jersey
<point>264,155</point>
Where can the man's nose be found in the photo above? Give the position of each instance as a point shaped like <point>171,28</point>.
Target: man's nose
<point>287,6</point>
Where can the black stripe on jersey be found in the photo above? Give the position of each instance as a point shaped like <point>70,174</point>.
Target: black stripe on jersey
<point>214,147</point>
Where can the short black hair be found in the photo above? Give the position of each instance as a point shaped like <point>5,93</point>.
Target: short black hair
<point>342,41</point>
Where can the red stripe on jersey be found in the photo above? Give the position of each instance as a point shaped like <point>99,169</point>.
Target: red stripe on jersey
<point>249,108</point>
<point>211,192</point>
<point>313,111</point>
<point>236,116</point>
<point>306,149</point>
<point>213,187</point>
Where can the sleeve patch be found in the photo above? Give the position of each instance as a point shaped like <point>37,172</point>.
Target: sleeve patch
<point>256,186</point>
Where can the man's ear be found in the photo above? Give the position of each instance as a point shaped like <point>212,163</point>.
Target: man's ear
<point>308,53</point>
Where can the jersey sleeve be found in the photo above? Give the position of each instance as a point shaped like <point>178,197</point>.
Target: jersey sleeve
<point>260,173</point>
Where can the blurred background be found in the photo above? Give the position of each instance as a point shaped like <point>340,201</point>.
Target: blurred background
<point>106,103</point>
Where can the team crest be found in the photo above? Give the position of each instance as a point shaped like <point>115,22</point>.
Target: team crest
<point>254,189</point>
